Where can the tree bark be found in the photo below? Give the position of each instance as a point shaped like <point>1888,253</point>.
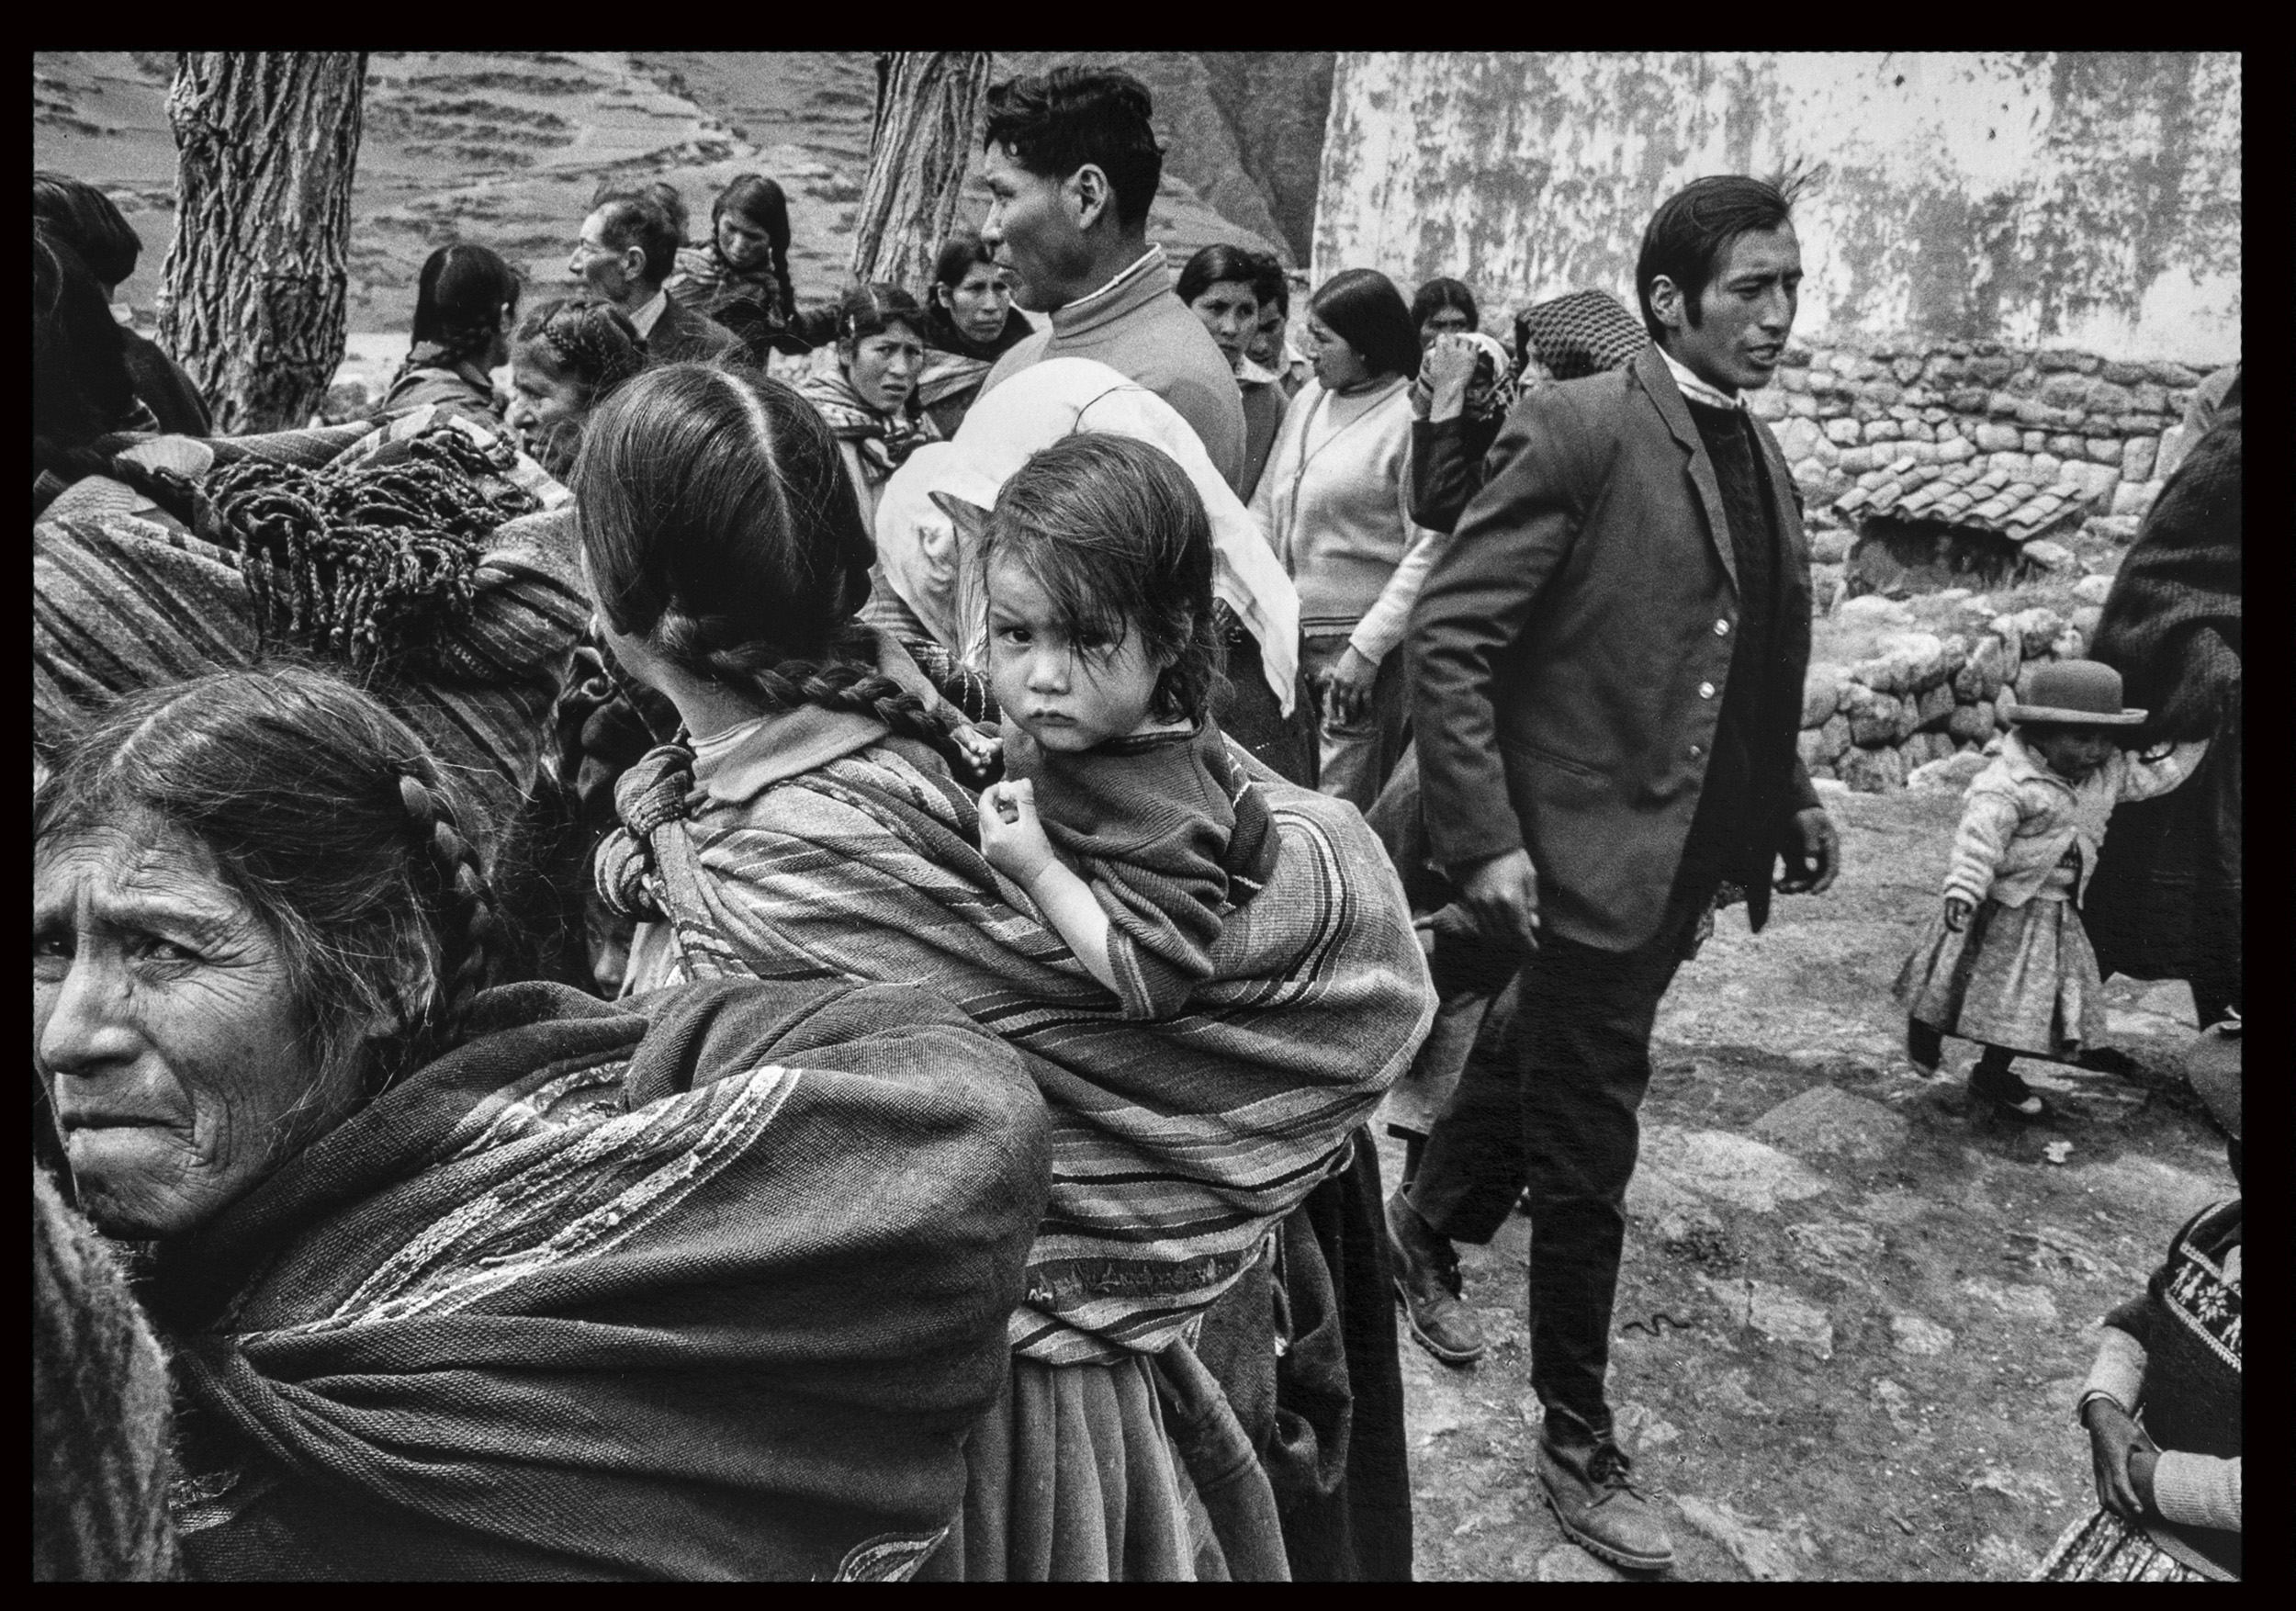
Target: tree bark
<point>929,116</point>
<point>253,299</point>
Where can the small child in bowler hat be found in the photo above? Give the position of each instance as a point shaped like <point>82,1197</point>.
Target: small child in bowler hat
<point>2004,963</point>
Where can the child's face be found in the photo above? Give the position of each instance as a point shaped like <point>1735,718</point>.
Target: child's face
<point>2071,752</point>
<point>1067,696</point>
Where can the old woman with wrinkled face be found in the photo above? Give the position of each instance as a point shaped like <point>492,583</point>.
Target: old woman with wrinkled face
<point>433,1260</point>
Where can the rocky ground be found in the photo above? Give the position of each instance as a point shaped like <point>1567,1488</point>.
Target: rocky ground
<point>1853,1314</point>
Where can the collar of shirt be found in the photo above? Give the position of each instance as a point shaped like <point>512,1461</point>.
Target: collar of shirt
<point>645,317</point>
<point>741,762</point>
<point>1697,391</point>
<point>1247,373</point>
<point>1086,309</point>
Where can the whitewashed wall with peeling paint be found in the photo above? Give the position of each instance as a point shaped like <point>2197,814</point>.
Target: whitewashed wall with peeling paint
<point>2087,199</point>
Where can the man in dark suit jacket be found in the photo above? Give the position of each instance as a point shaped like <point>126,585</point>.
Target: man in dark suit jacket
<point>1607,662</point>
<point>628,247</point>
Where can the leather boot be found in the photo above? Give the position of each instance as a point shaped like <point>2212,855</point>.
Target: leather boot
<point>1427,1281</point>
<point>1584,1476</point>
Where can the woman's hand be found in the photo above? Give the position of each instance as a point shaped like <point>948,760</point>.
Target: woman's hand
<point>1957,911</point>
<point>1450,369</point>
<point>2115,1441</point>
<point>1347,688</point>
<point>1012,835</point>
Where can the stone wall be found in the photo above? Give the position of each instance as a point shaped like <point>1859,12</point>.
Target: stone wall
<point>2090,198</point>
<point>1842,411</point>
<point>1936,673</point>
<point>1927,698</point>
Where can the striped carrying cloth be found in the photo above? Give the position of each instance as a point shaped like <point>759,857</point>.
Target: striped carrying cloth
<point>1177,1144</point>
<point>126,597</point>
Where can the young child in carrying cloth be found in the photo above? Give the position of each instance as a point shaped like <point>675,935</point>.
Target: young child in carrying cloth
<point>2006,963</point>
<point>1123,814</point>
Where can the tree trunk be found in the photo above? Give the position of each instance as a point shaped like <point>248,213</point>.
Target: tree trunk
<point>253,300</point>
<point>928,114</point>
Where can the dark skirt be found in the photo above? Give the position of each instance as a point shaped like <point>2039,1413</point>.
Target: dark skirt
<point>1325,1413</point>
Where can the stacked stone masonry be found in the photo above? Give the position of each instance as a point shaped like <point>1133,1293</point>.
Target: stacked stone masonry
<point>2042,417</point>
<point>1936,699</point>
<point>1925,698</point>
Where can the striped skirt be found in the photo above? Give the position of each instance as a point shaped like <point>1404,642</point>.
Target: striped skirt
<point>2106,1549</point>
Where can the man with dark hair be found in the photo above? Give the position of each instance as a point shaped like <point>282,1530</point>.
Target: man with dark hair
<point>628,247</point>
<point>1072,165</point>
<point>1608,665</point>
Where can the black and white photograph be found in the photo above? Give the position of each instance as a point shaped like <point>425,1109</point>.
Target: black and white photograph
<point>1098,817</point>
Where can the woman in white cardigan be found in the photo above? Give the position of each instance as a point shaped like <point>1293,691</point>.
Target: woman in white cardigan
<point>1334,502</point>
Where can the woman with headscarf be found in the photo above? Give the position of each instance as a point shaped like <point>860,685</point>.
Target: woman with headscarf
<point>1334,502</point>
<point>466,1280</point>
<point>1464,388</point>
<point>870,399</point>
<point>1577,334</point>
<point>463,306</point>
<point>969,322</point>
<point>740,277</point>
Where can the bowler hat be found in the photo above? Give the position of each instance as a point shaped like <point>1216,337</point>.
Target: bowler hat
<point>2078,693</point>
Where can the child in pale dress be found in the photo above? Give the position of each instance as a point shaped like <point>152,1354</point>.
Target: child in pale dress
<point>1122,814</point>
<point>2004,963</point>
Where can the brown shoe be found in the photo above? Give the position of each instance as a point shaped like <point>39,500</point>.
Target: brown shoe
<point>1427,1281</point>
<point>1585,1480</point>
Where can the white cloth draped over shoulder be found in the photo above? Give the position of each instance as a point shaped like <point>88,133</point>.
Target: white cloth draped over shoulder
<point>926,524</point>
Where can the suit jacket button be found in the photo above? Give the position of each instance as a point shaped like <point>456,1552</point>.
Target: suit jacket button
<point>1706,691</point>
<point>1722,628</point>
<point>1696,752</point>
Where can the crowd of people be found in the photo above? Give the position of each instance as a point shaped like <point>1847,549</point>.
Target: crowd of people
<point>646,972</point>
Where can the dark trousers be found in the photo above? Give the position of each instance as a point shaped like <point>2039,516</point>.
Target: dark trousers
<point>1548,1099</point>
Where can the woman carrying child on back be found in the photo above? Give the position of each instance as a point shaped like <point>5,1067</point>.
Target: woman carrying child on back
<point>1123,814</point>
<point>2006,962</point>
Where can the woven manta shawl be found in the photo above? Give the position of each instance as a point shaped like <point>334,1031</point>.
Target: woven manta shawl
<point>709,1286</point>
<point>125,598</point>
<point>1177,1144</point>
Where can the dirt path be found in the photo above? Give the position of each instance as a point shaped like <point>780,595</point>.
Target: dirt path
<point>1853,1314</point>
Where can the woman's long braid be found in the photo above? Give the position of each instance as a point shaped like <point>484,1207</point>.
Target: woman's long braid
<point>469,929</point>
<point>366,564</point>
<point>852,684</point>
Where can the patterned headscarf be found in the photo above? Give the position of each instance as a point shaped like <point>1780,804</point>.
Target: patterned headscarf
<point>1584,332</point>
<point>884,440</point>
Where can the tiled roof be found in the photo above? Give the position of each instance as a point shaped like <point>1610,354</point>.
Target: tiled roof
<point>1965,494</point>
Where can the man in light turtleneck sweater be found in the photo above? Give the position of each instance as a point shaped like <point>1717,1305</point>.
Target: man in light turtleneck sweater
<point>1072,165</point>
<point>1607,663</point>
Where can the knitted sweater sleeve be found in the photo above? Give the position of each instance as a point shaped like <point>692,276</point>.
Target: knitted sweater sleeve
<point>2198,1490</point>
<point>1988,824</point>
<point>1383,625</point>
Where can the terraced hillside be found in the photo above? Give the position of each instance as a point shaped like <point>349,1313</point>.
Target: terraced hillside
<point>507,147</point>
